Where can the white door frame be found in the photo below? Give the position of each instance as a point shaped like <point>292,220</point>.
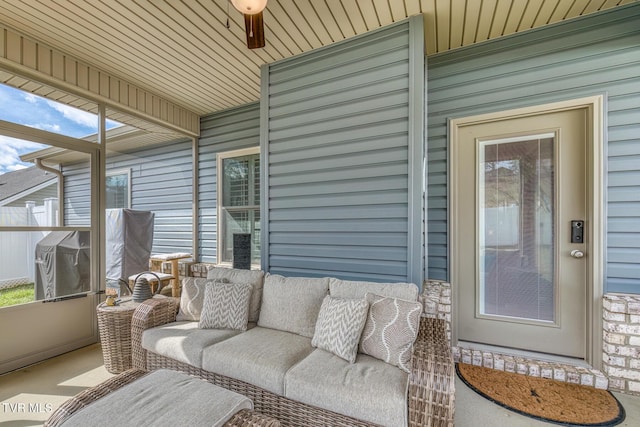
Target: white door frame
<point>595,204</point>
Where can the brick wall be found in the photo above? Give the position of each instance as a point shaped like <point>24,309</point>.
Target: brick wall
<point>621,347</point>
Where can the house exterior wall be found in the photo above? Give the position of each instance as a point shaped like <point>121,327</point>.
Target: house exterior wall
<point>598,54</point>
<point>161,182</point>
<point>232,129</point>
<point>342,148</point>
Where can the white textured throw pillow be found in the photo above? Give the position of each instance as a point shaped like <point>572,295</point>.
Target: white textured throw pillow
<point>226,306</point>
<point>192,298</point>
<point>391,329</point>
<point>339,326</point>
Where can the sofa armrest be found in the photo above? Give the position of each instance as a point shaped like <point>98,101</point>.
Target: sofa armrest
<point>432,378</point>
<point>149,314</point>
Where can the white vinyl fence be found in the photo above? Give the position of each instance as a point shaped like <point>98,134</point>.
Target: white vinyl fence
<point>17,248</point>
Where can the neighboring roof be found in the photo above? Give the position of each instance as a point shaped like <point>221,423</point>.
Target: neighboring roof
<point>23,181</point>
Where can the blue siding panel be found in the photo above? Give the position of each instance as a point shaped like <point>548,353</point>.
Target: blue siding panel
<point>232,129</point>
<point>339,177</point>
<point>596,54</point>
<point>161,182</point>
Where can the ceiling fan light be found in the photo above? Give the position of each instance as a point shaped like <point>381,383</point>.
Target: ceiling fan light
<point>249,7</point>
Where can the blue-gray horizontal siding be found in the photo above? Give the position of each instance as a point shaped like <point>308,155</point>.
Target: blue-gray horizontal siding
<point>77,194</point>
<point>598,54</point>
<point>338,160</point>
<point>232,129</point>
<point>161,182</point>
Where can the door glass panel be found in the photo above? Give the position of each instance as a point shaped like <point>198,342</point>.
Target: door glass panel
<point>516,228</point>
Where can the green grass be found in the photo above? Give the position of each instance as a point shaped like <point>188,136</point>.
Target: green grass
<point>18,295</point>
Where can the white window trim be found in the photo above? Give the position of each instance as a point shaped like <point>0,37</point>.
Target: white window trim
<point>219,231</point>
<point>121,172</point>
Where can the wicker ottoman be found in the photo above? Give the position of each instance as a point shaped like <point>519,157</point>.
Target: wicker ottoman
<point>159,398</point>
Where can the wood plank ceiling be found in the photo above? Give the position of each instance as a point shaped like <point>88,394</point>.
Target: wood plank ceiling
<point>183,50</point>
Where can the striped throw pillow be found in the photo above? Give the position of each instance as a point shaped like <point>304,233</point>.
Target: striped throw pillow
<point>339,326</point>
<point>192,298</point>
<point>226,306</point>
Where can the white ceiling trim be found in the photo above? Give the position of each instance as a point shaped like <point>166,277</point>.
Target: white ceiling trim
<point>36,61</point>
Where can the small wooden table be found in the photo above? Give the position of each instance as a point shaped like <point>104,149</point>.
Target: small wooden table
<point>152,278</point>
<point>173,258</point>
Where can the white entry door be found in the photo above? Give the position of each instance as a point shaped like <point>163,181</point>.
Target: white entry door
<point>520,238</point>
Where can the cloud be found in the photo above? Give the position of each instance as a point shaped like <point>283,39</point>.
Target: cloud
<point>75,115</point>
<point>45,126</point>
<point>10,151</point>
<point>31,98</point>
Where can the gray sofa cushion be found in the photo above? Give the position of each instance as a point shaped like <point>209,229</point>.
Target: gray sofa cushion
<point>183,341</point>
<point>259,356</point>
<point>292,304</point>
<point>254,277</point>
<point>369,390</point>
<point>356,290</point>
<point>151,401</point>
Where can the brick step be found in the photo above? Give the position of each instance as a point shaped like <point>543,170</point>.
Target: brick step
<point>531,367</point>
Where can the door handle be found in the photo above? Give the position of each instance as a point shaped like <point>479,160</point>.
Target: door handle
<point>577,253</point>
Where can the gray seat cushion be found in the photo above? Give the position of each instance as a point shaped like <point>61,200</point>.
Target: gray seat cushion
<point>369,389</point>
<point>259,356</point>
<point>151,401</point>
<point>183,341</point>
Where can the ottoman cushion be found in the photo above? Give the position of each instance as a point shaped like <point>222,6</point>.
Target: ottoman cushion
<point>151,400</point>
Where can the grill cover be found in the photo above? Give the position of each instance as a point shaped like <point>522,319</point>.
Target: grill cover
<point>129,235</point>
<point>63,264</point>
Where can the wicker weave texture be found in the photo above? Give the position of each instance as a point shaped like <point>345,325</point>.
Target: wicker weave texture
<point>114,325</point>
<point>431,400</point>
<point>431,397</point>
<point>149,314</point>
<point>243,418</point>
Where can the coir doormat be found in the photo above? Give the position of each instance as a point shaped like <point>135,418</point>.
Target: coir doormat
<point>547,400</point>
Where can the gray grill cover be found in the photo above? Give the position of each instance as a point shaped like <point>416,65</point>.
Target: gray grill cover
<point>63,264</point>
<point>129,235</point>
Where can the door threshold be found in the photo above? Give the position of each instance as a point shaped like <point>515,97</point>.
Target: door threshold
<point>543,357</point>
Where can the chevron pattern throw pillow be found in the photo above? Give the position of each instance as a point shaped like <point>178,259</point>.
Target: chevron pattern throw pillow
<point>339,326</point>
<point>226,306</point>
<point>192,298</point>
<point>391,329</point>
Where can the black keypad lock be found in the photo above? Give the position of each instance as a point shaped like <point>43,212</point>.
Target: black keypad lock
<point>577,231</point>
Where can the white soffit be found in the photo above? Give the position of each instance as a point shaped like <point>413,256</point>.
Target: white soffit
<point>182,51</point>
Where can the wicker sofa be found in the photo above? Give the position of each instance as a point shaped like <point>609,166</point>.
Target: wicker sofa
<point>274,364</point>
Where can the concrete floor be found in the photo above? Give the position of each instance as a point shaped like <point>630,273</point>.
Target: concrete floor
<point>28,396</point>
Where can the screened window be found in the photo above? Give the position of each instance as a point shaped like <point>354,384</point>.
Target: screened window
<point>118,184</point>
<point>239,201</point>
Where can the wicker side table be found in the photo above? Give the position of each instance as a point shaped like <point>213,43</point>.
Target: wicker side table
<point>114,325</point>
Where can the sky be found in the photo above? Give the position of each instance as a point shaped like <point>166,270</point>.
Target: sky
<point>27,109</point>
